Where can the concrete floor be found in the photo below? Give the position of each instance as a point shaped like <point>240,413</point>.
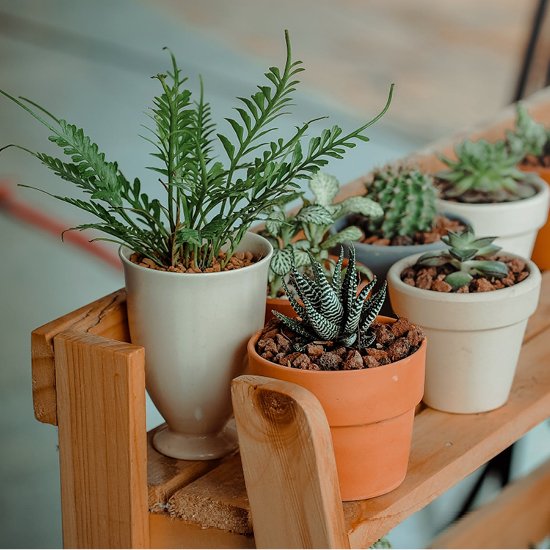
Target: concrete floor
<point>91,63</point>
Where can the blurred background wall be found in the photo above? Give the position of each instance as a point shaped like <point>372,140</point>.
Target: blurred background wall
<point>454,64</point>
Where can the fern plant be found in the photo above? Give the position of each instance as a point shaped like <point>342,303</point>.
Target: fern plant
<point>210,203</point>
<point>408,200</point>
<point>307,233</point>
<point>333,311</point>
<point>485,172</point>
<point>465,255</point>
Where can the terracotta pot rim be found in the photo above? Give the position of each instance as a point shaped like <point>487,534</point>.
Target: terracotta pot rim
<point>251,347</point>
<point>125,252</point>
<point>531,281</point>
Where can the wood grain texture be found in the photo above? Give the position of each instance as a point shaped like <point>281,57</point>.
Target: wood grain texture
<point>105,317</point>
<point>102,442</point>
<point>169,532</point>
<point>446,447</point>
<point>289,465</point>
<point>165,475</point>
<point>217,499</point>
<point>517,518</point>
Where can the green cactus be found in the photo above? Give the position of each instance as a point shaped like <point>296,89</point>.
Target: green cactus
<point>408,198</point>
<point>485,172</point>
<point>333,311</point>
<point>463,255</point>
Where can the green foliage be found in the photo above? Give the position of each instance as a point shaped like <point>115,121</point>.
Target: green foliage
<point>485,172</point>
<point>408,199</point>
<point>382,542</point>
<point>209,204</point>
<point>333,311</point>
<point>528,136</point>
<point>307,232</point>
<point>463,255</point>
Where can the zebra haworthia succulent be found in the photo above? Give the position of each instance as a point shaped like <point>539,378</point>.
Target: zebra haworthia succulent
<point>333,311</point>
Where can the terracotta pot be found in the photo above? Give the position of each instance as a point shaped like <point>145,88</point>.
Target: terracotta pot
<point>541,251</point>
<point>194,328</point>
<point>282,305</point>
<point>475,338</point>
<point>515,223</point>
<point>370,413</point>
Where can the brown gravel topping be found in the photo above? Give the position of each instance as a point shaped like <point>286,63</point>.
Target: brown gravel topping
<point>432,278</point>
<point>394,341</point>
<point>441,227</point>
<point>542,161</point>
<point>238,260</point>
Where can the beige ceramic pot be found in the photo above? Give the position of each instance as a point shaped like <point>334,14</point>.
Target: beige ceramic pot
<point>194,328</point>
<point>474,339</point>
<point>515,223</point>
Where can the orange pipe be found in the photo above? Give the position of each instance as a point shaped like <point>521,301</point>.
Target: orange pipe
<point>32,216</point>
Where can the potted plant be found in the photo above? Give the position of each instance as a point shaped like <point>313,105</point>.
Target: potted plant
<point>296,237</point>
<point>473,307</point>
<point>367,372</point>
<point>195,276</point>
<point>484,185</point>
<point>410,223</point>
<point>533,140</point>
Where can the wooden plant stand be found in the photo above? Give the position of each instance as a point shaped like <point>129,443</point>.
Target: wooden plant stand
<point>117,491</point>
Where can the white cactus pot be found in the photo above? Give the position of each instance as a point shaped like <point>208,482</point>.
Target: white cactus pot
<point>194,328</point>
<point>515,223</point>
<point>474,339</point>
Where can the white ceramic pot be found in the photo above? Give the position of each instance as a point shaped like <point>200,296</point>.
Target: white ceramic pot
<point>474,339</point>
<point>194,328</point>
<point>515,223</point>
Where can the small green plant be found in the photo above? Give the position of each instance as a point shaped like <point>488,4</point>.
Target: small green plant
<point>463,255</point>
<point>528,137</point>
<point>296,237</point>
<point>209,204</point>
<point>485,172</point>
<point>332,310</point>
<point>408,199</point>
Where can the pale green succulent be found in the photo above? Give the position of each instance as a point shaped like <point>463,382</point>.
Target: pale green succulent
<point>528,137</point>
<point>332,310</point>
<point>463,255</point>
<point>408,199</point>
<point>295,237</point>
<point>485,172</point>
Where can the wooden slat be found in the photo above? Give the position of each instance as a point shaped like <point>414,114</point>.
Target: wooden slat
<point>517,518</point>
<point>217,499</point>
<point>167,532</point>
<point>105,317</point>
<point>102,442</point>
<point>447,447</point>
<point>289,465</point>
<point>166,475</point>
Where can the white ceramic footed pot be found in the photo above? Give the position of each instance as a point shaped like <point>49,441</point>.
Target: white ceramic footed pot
<point>474,339</point>
<point>194,328</point>
<point>516,223</point>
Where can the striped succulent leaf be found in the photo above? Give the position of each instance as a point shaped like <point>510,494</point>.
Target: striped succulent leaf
<point>333,312</point>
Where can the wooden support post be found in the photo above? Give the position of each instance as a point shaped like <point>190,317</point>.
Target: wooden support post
<point>288,465</point>
<point>102,441</point>
<point>517,518</point>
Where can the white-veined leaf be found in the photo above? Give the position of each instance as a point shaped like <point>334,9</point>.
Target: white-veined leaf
<point>316,214</point>
<point>324,187</point>
<point>347,234</point>
<point>281,262</point>
<point>361,205</point>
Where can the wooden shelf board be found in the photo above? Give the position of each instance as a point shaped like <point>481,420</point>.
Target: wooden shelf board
<point>446,448</point>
